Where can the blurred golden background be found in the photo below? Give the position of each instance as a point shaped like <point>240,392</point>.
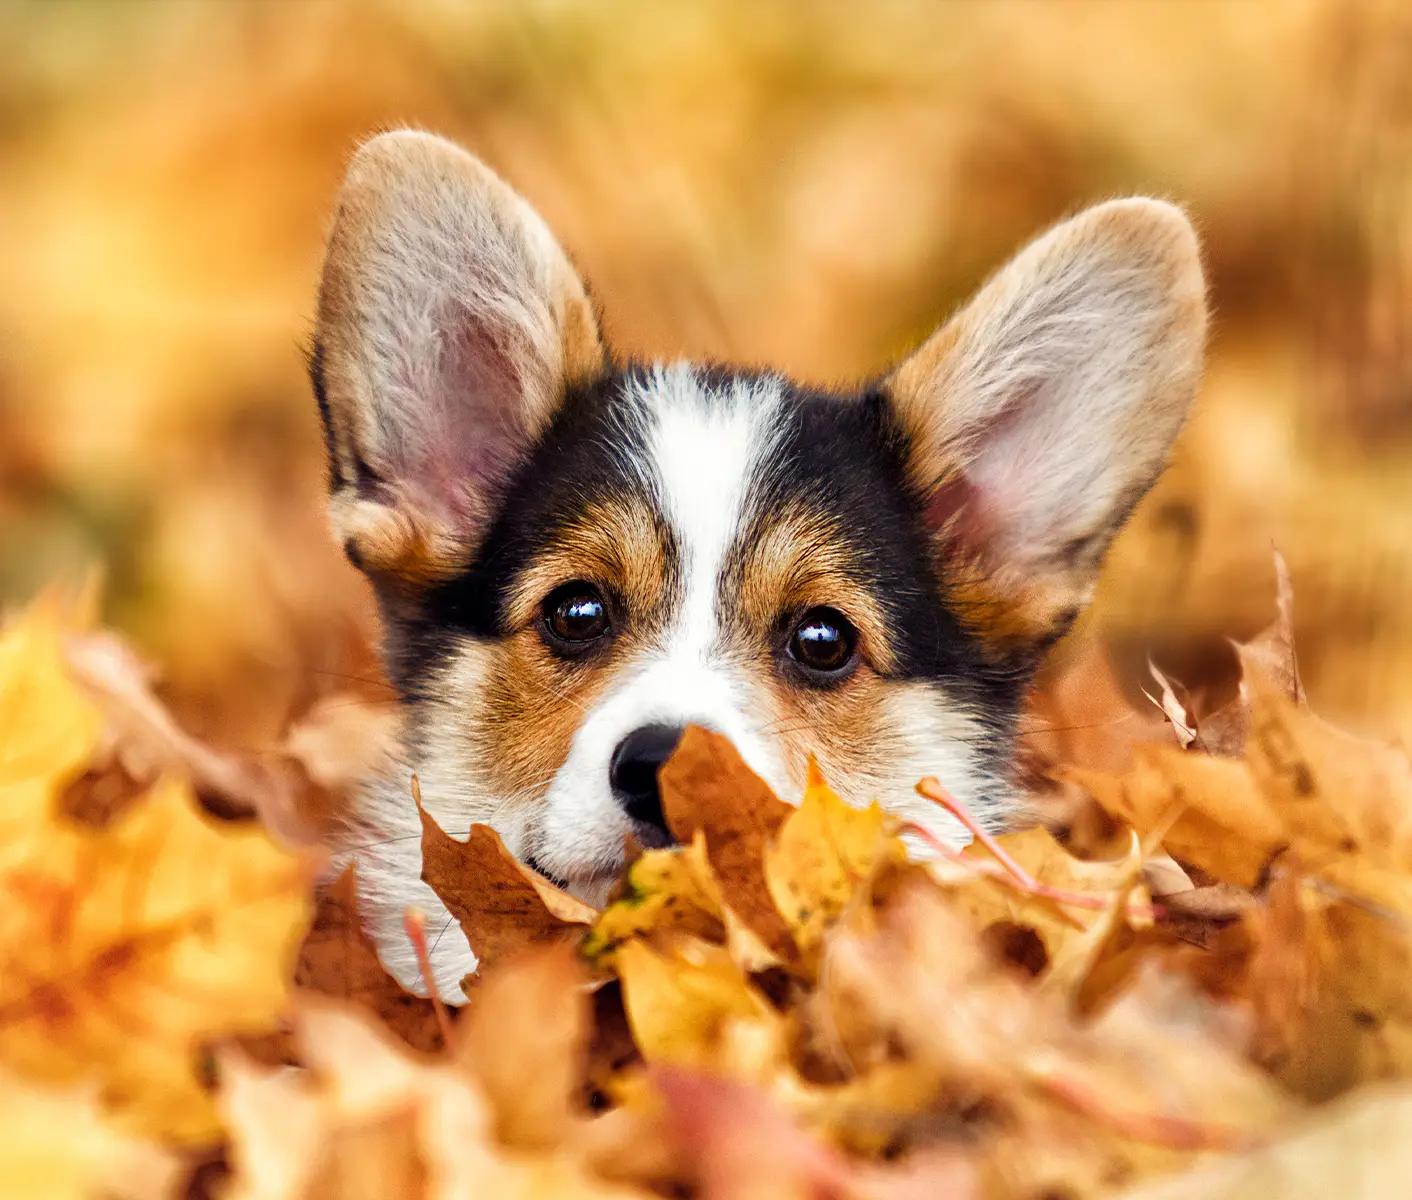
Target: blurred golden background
<point>809,185</point>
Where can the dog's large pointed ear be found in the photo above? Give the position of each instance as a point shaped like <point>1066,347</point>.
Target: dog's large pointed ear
<point>450,324</point>
<point>1041,413</point>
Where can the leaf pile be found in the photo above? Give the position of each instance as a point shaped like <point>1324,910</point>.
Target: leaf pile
<point>1192,981</point>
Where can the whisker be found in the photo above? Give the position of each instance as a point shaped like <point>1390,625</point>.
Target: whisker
<point>1075,728</point>
<point>574,700</point>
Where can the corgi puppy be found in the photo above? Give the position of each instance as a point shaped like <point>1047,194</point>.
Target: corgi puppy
<point>576,557</point>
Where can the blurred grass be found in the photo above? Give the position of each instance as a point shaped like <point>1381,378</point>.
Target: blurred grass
<point>808,185</point>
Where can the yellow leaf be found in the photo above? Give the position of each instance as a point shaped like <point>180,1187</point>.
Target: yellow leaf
<point>56,1146</point>
<point>664,889</point>
<point>123,949</point>
<point>1210,810</point>
<point>48,730</point>
<point>822,854</point>
<point>1070,937</point>
<point>682,1006</point>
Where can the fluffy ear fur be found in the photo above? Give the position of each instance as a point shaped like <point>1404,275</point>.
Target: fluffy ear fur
<point>449,324</point>
<point>1042,412</point>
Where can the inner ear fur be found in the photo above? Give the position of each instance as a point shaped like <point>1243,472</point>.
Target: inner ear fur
<point>450,324</point>
<point>1037,417</point>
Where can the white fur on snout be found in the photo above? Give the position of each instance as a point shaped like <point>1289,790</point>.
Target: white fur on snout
<point>583,824</point>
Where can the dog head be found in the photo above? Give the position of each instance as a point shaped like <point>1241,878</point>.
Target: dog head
<point>576,558</point>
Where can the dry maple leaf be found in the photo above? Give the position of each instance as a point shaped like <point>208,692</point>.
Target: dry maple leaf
<point>123,949</point>
<point>671,889</point>
<point>145,742</point>
<point>1069,938</point>
<point>1134,1094</point>
<point>707,788</point>
<point>524,1041</point>
<point>501,905</point>
<point>734,1143</point>
<point>1270,653</point>
<point>1328,984</point>
<point>1346,803</point>
<point>689,1004</point>
<point>1209,811</point>
<point>824,852</point>
<point>1323,956</point>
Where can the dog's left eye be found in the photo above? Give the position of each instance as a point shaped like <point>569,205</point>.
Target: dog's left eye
<point>824,643</point>
<point>574,613</point>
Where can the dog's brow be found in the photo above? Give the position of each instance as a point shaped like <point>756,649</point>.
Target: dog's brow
<point>620,543</point>
<point>796,559</point>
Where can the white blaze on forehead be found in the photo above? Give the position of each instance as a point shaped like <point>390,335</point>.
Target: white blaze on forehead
<point>700,452</point>
<point>704,448</point>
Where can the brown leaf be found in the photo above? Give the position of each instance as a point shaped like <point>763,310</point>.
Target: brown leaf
<point>1269,654</point>
<point>339,959</point>
<point>1328,985</point>
<point>706,786</point>
<point>1217,902</point>
<point>146,742</point>
<point>1347,803</point>
<point>1208,810</point>
<point>501,905</point>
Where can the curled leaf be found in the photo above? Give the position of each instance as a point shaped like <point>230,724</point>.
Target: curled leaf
<point>501,905</point>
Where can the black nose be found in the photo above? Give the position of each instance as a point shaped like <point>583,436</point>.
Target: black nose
<point>633,774</point>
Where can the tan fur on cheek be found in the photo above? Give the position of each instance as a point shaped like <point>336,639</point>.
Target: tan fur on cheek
<point>844,727</point>
<point>530,707</point>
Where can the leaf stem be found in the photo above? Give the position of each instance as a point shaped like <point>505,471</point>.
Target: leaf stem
<point>1005,869</point>
<point>414,921</point>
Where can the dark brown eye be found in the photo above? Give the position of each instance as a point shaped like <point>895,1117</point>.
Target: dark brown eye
<point>824,643</point>
<point>574,614</point>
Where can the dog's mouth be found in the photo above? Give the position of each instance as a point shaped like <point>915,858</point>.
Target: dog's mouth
<point>538,868</point>
<point>591,889</point>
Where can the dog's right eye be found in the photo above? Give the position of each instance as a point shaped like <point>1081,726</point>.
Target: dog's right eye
<point>574,615</point>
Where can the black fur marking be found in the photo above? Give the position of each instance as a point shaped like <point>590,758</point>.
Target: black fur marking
<point>844,456</point>
<point>316,378</point>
